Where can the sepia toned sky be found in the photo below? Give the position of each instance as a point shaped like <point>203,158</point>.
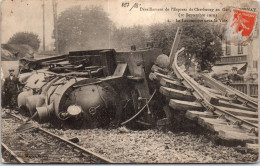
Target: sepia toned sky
<point>27,15</point>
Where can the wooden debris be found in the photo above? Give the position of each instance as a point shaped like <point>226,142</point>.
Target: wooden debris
<point>160,76</point>
<point>252,120</point>
<point>229,135</point>
<point>177,94</point>
<point>237,124</point>
<point>233,105</point>
<point>185,105</point>
<point>239,112</point>
<point>152,76</point>
<point>163,122</point>
<point>158,69</point>
<point>210,123</point>
<point>249,148</point>
<point>218,124</point>
<point>172,84</point>
<point>194,115</point>
<point>237,136</point>
<point>220,97</point>
<point>143,123</point>
<point>167,112</point>
<point>213,91</point>
<point>252,147</point>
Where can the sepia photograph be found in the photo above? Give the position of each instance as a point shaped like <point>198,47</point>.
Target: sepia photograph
<point>129,81</point>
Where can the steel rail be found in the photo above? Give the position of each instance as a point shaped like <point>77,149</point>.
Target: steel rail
<point>17,158</point>
<point>252,102</point>
<point>203,97</point>
<point>99,157</point>
<point>84,151</point>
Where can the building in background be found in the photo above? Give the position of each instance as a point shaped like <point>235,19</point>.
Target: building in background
<point>242,61</point>
<point>243,57</point>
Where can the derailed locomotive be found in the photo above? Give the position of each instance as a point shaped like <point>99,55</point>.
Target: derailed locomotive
<point>89,89</point>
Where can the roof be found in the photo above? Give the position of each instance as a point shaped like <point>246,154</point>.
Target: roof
<point>226,68</point>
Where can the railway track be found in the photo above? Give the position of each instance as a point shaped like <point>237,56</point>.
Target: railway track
<point>230,114</point>
<point>9,155</point>
<point>37,145</point>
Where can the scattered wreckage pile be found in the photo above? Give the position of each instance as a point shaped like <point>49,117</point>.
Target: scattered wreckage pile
<point>102,88</point>
<point>230,114</point>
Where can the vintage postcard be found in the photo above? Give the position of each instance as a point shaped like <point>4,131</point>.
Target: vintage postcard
<point>129,81</point>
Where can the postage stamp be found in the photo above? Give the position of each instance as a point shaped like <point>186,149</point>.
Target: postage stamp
<point>242,24</point>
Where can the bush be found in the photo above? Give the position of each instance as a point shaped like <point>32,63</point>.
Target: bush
<point>27,38</point>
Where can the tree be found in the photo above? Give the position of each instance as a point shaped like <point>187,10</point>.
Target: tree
<point>81,29</point>
<point>200,39</point>
<point>27,38</point>
<point>162,34</point>
<point>202,42</point>
<point>125,37</point>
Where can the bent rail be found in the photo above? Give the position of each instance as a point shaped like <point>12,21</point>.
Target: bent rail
<point>229,91</point>
<point>210,101</point>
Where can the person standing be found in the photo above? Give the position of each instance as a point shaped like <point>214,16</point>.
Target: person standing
<point>11,88</point>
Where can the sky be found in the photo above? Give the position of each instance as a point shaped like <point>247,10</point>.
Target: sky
<point>27,15</point>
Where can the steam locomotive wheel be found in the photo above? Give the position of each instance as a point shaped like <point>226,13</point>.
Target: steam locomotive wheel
<point>146,118</point>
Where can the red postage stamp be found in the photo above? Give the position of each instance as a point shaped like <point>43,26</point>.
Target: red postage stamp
<point>243,23</point>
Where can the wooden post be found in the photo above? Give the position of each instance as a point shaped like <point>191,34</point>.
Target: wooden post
<point>55,25</point>
<point>248,89</point>
<point>43,20</point>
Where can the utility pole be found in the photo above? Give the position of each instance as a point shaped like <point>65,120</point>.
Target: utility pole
<point>55,25</point>
<point>43,19</point>
<point>109,36</point>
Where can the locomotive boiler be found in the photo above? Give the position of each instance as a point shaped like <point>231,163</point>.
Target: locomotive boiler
<point>89,89</point>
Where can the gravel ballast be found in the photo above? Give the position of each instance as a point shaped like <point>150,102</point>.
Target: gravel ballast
<point>152,146</point>
<point>123,145</point>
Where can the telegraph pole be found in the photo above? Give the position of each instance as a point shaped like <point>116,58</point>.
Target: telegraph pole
<point>43,19</point>
<point>55,25</point>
